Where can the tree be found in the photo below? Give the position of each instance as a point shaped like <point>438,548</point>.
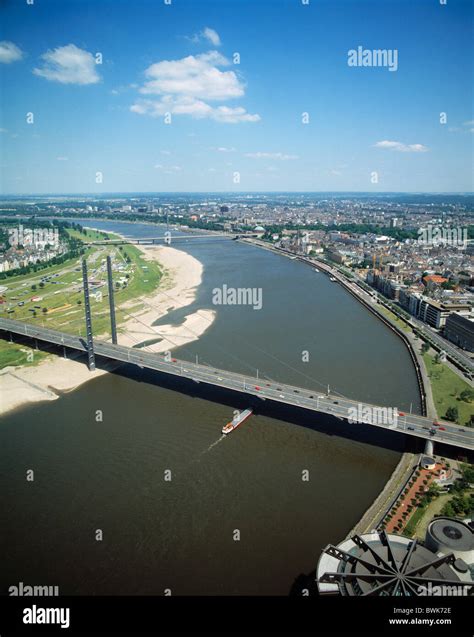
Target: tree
<point>433,491</point>
<point>452,414</point>
<point>467,471</point>
<point>44,310</point>
<point>467,395</point>
<point>33,287</point>
<point>41,284</point>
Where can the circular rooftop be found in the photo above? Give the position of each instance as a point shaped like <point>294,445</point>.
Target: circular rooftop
<point>452,534</point>
<point>383,564</point>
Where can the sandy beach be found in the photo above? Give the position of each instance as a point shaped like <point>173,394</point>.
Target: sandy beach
<point>181,278</point>
<point>182,275</point>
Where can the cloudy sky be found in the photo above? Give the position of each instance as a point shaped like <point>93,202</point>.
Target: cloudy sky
<point>240,95</point>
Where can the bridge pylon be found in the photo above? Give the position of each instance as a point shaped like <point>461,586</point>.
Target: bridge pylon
<point>87,308</point>
<point>113,325</point>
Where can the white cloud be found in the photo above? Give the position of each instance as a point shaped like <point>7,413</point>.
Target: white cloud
<point>9,52</point>
<point>206,34</point>
<point>224,149</point>
<point>168,169</point>
<point>400,147</point>
<point>194,76</point>
<point>195,108</point>
<point>469,123</point>
<point>280,156</point>
<point>212,36</point>
<point>3,130</point>
<point>62,158</point>
<point>184,84</point>
<point>165,152</point>
<point>68,65</point>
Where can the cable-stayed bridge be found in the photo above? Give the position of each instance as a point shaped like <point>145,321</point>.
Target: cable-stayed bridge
<point>312,400</point>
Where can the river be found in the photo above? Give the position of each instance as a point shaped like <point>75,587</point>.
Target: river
<point>179,534</point>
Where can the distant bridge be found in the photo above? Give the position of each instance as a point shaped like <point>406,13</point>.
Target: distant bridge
<point>168,238</point>
<point>312,400</point>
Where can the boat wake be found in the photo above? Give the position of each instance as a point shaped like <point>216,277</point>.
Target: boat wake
<point>214,444</point>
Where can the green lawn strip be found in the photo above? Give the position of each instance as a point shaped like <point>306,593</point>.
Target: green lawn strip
<point>13,354</point>
<point>399,322</point>
<point>90,235</point>
<point>447,387</point>
<point>410,528</point>
<point>433,508</point>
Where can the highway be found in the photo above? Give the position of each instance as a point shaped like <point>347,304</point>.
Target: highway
<point>343,408</point>
<point>443,345</point>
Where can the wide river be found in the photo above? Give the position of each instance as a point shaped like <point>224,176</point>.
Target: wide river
<point>179,534</point>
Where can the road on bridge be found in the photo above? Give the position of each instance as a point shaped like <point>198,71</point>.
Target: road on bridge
<point>340,407</point>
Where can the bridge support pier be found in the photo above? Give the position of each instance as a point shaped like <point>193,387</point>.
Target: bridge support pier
<point>429,448</point>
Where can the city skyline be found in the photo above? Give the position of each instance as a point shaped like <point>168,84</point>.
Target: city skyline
<point>367,129</point>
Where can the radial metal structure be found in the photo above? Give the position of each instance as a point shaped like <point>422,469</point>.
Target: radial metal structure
<point>389,567</point>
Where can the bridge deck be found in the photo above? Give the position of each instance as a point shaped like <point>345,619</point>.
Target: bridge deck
<point>169,239</point>
<point>344,408</point>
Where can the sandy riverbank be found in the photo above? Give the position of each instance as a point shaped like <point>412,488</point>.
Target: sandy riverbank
<point>23,385</point>
<point>182,275</point>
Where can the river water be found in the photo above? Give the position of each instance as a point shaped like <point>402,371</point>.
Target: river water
<point>180,533</point>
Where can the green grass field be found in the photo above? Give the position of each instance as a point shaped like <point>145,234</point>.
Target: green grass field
<point>13,354</point>
<point>399,322</point>
<point>413,522</point>
<point>57,303</point>
<point>447,387</point>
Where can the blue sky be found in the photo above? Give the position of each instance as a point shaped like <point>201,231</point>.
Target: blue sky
<point>231,118</point>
